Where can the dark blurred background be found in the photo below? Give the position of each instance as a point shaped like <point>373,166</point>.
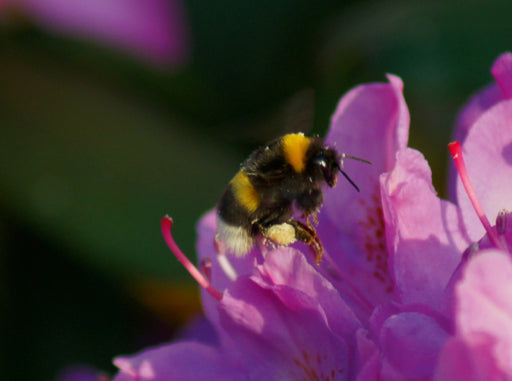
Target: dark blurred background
<point>100,138</point>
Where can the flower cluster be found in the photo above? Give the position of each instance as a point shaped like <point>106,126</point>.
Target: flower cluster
<point>412,287</point>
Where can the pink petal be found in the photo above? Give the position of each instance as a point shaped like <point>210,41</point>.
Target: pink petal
<point>485,99</point>
<point>502,72</point>
<point>424,238</point>
<point>155,30</point>
<point>484,303</point>
<point>488,155</point>
<point>476,106</point>
<point>411,343</point>
<point>371,122</point>
<point>480,103</point>
<point>459,361</point>
<point>360,267</point>
<point>369,357</point>
<point>206,229</point>
<point>198,329</point>
<point>289,267</point>
<point>177,362</point>
<point>281,336</point>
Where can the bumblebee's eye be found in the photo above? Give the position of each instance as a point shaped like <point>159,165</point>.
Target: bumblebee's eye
<point>328,171</point>
<point>321,161</point>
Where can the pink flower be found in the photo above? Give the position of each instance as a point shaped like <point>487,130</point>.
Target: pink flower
<point>153,30</point>
<point>482,345</point>
<point>284,320</point>
<point>359,311</point>
<point>394,299</point>
<point>397,245</point>
<point>486,147</point>
<point>284,316</point>
<point>472,338</point>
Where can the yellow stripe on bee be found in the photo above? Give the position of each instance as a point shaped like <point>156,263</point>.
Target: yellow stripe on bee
<point>244,191</point>
<point>295,147</point>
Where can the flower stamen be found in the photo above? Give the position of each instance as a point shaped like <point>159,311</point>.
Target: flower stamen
<point>166,224</point>
<point>456,152</point>
<point>502,221</point>
<point>206,268</point>
<point>226,266</point>
<point>223,260</point>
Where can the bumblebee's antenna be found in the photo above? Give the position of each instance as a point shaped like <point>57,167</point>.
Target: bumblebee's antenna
<point>349,179</point>
<point>345,156</point>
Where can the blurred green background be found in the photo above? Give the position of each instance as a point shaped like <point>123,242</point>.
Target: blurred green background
<point>96,146</point>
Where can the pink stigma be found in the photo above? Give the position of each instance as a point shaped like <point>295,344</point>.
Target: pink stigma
<point>456,152</point>
<point>166,224</point>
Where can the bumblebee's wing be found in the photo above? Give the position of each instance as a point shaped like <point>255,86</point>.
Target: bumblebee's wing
<point>271,173</point>
<point>295,114</point>
<point>267,164</point>
<point>298,113</point>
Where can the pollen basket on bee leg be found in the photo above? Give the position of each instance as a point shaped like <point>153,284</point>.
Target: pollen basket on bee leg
<point>282,234</point>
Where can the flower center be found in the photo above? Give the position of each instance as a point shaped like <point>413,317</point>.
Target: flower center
<point>312,367</point>
<point>495,235</point>
<point>374,239</point>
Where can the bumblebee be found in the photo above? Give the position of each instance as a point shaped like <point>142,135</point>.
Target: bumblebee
<point>277,181</point>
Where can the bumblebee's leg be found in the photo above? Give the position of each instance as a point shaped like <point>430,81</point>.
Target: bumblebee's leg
<point>309,201</point>
<point>275,228</point>
<point>286,233</point>
<point>307,234</point>
<point>308,217</point>
<point>277,215</point>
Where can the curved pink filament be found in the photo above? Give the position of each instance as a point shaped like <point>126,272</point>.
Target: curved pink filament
<point>456,152</point>
<point>166,224</point>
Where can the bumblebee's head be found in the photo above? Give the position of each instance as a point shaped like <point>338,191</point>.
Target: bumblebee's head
<point>327,163</point>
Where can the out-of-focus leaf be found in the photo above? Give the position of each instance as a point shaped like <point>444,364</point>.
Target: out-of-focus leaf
<point>97,169</point>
